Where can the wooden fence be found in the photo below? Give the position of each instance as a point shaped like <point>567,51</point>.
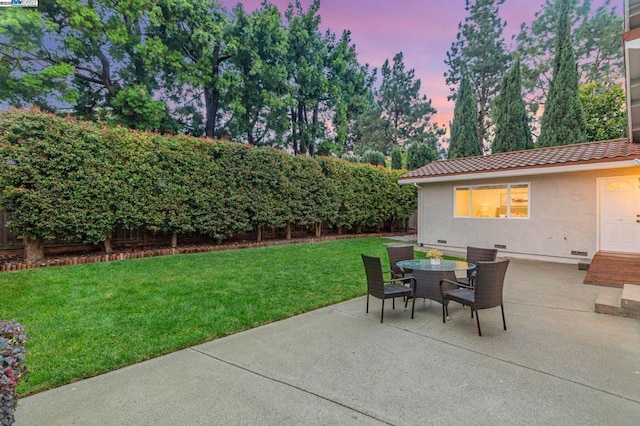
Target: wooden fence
<point>142,237</point>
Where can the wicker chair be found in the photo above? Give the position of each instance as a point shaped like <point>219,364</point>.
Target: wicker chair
<point>475,255</point>
<point>486,293</point>
<point>396,254</point>
<point>389,289</point>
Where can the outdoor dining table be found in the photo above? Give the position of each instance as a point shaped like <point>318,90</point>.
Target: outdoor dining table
<point>443,266</point>
<point>427,275</point>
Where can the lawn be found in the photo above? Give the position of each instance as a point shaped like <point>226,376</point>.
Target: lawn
<point>88,319</point>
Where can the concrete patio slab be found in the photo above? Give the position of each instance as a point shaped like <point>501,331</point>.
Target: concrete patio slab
<point>559,362</point>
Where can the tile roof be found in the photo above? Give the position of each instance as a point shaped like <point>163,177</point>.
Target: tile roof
<point>565,155</point>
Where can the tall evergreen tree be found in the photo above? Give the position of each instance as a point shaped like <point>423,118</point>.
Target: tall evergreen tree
<point>479,50</point>
<point>510,114</point>
<point>396,158</point>
<point>597,46</point>
<point>407,112</point>
<point>563,120</point>
<point>464,136</point>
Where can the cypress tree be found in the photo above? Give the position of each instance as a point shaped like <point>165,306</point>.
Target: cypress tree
<point>396,158</point>
<point>563,120</point>
<point>464,130</point>
<point>512,122</point>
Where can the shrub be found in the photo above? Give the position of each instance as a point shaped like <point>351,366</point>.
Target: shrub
<point>12,367</point>
<point>374,157</point>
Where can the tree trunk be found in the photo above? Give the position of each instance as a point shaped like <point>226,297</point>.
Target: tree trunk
<point>212,93</point>
<point>288,231</point>
<point>358,229</point>
<point>33,249</point>
<point>259,233</point>
<point>481,131</point>
<point>174,240</point>
<point>318,229</point>
<point>108,247</point>
<point>294,132</point>
<point>339,230</point>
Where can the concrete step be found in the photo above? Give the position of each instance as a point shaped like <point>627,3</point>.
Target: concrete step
<point>623,302</point>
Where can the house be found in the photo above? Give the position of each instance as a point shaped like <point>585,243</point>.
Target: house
<point>561,203</point>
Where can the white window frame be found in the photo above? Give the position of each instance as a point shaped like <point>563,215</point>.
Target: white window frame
<point>508,207</point>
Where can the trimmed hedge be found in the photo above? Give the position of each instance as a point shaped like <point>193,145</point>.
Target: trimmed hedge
<point>63,178</point>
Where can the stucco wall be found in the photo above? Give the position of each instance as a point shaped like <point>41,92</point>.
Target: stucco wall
<point>563,217</point>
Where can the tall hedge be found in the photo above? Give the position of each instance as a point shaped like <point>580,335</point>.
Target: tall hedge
<point>64,178</point>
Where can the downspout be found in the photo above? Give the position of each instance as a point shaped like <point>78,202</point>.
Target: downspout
<point>418,215</point>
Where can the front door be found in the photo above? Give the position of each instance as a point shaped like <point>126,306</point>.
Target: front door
<point>620,214</point>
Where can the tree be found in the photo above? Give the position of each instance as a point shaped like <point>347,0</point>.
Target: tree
<point>464,137</point>
<point>419,154</point>
<point>407,112</point>
<point>190,49</point>
<point>350,88</point>
<point>479,51</point>
<point>563,119</point>
<point>95,56</point>
<point>258,94</point>
<point>511,119</point>
<point>396,158</point>
<point>597,47</point>
<point>604,110</point>
<point>309,85</point>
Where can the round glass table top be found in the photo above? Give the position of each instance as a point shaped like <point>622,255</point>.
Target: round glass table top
<point>444,265</point>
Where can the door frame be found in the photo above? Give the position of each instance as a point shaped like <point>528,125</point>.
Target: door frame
<point>599,204</point>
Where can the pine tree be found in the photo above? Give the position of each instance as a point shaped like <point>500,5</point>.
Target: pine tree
<point>480,52</point>
<point>563,120</point>
<point>396,158</point>
<point>510,114</point>
<point>464,136</point>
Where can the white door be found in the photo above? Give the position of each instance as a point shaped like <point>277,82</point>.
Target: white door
<point>620,214</point>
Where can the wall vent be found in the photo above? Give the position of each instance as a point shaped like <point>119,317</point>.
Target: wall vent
<point>500,246</point>
<point>442,241</point>
<point>579,253</point>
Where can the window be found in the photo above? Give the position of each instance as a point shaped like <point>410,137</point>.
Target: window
<point>501,201</point>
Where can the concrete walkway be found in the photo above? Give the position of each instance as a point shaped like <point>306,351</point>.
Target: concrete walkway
<point>559,363</point>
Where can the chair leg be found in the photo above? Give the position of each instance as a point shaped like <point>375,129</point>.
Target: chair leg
<point>477,321</point>
<point>393,303</point>
<point>444,311</point>
<point>504,323</point>
<point>367,302</point>
<point>413,307</point>
<point>382,312</point>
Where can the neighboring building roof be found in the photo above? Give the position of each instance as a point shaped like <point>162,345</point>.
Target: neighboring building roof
<point>557,159</point>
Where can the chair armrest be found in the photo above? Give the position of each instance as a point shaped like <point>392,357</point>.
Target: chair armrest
<point>456,283</point>
<point>404,280</point>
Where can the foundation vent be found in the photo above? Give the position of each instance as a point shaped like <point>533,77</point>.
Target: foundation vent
<point>500,246</point>
<point>442,241</point>
<point>579,253</point>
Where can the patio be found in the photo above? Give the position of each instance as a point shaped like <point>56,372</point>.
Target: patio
<point>558,363</point>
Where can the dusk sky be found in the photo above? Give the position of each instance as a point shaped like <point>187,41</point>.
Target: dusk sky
<point>422,29</point>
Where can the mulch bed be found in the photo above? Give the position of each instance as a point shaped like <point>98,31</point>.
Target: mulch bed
<point>17,263</point>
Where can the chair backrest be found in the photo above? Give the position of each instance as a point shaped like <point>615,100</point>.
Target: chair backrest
<point>489,283</point>
<point>375,278</point>
<point>477,254</point>
<point>398,253</point>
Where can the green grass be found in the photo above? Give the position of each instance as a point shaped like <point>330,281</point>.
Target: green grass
<point>88,319</point>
